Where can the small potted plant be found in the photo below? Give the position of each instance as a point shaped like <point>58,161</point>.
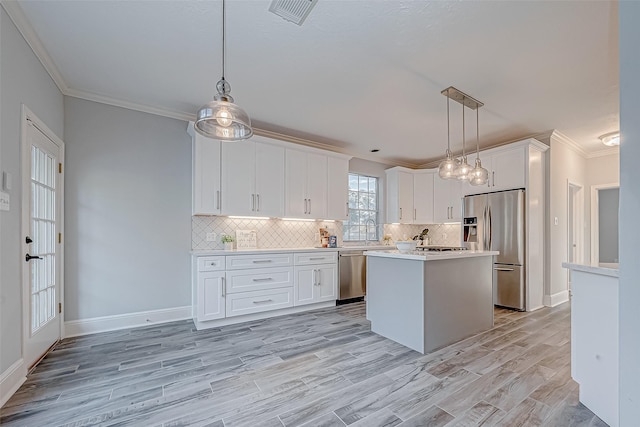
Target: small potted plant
<point>227,241</point>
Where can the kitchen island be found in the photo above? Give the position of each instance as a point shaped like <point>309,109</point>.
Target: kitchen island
<point>428,300</point>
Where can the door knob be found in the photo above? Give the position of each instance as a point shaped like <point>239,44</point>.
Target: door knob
<point>28,257</point>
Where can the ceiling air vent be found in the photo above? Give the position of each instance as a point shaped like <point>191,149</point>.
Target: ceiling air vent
<point>295,11</point>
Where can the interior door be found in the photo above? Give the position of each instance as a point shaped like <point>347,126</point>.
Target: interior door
<point>41,225</point>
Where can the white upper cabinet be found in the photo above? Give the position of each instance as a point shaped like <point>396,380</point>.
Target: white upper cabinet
<point>206,176</point>
<point>447,200</point>
<point>507,166</point>
<point>400,195</point>
<point>252,179</point>
<point>306,184</point>
<point>423,197</point>
<point>338,188</point>
<point>410,196</point>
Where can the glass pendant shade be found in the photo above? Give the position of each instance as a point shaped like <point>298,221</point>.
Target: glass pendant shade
<point>448,166</point>
<point>478,175</point>
<point>462,171</point>
<point>221,118</point>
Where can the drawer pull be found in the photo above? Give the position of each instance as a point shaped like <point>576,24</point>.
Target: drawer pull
<point>262,301</point>
<point>213,263</point>
<point>266,279</point>
<point>261,261</point>
<point>503,269</point>
<point>317,258</point>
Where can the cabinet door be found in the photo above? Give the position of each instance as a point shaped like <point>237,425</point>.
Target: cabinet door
<point>206,176</point>
<point>238,178</point>
<point>338,188</point>
<point>508,169</point>
<point>211,296</point>
<point>326,283</point>
<point>317,185</point>
<point>269,184</point>
<point>295,183</point>
<point>304,289</point>
<point>405,197</point>
<point>468,189</point>
<point>455,200</point>
<point>423,198</point>
<point>441,207</point>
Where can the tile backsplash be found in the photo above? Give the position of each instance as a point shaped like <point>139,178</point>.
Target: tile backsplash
<point>278,233</point>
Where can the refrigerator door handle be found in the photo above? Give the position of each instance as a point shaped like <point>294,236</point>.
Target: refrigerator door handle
<point>490,227</point>
<point>485,229</point>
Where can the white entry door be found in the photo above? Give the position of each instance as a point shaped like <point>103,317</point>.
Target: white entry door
<point>41,225</point>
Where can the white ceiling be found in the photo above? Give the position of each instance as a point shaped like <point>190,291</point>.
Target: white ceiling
<point>358,74</point>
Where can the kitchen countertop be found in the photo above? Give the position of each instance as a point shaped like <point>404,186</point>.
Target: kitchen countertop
<point>207,252</point>
<point>429,256</point>
<point>603,271</point>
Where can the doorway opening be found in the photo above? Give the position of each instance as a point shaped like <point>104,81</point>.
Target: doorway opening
<point>604,225</point>
<point>575,227</point>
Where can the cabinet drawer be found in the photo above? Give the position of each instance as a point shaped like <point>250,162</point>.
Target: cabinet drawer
<point>211,263</point>
<point>308,258</point>
<point>260,278</point>
<point>259,301</point>
<point>237,262</point>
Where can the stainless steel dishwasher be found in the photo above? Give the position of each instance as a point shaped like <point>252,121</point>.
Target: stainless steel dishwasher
<point>353,275</point>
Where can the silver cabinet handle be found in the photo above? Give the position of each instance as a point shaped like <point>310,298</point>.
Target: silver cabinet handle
<point>265,279</point>
<point>213,263</point>
<point>415,212</point>
<point>258,202</point>
<point>317,258</point>
<point>503,269</point>
<point>223,286</point>
<point>253,202</point>
<point>347,209</point>
<point>262,301</point>
<point>217,199</point>
<point>400,213</point>
<point>313,277</point>
<point>305,206</point>
<point>493,180</point>
<point>309,206</point>
<point>260,261</point>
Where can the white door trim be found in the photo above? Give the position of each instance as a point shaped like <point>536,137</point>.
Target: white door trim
<point>28,116</point>
<point>595,220</point>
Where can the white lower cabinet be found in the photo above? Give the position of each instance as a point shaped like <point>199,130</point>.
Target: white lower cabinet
<point>211,295</point>
<point>227,287</point>
<point>258,301</point>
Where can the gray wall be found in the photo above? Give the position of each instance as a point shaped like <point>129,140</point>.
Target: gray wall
<point>629,208</point>
<point>23,80</point>
<point>608,200</point>
<point>127,211</point>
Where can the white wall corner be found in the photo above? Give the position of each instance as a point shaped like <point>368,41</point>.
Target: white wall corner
<point>556,299</point>
<point>11,380</point>
<point>123,321</point>
<point>561,138</point>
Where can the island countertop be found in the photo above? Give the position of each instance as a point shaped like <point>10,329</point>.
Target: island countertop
<point>429,256</point>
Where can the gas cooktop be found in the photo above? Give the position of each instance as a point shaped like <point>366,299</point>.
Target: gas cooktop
<point>441,248</point>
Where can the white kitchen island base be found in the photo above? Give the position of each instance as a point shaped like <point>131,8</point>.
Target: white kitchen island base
<point>429,301</point>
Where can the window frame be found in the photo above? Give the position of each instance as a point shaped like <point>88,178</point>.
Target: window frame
<point>362,236</point>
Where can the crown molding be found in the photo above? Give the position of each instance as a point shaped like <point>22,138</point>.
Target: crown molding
<point>558,136</point>
<point>609,151</point>
<point>19,19</point>
<point>158,111</point>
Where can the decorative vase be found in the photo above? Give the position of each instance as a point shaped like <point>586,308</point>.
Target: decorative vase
<point>228,246</point>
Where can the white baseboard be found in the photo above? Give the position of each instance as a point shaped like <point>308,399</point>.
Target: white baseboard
<point>11,380</point>
<point>123,321</point>
<point>556,299</point>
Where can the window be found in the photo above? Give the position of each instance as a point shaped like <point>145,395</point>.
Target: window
<point>363,207</point>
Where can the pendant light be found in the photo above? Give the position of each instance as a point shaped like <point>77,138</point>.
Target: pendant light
<point>221,118</point>
<point>479,175</point>
<point>462,171</point>
<point>449,165</point>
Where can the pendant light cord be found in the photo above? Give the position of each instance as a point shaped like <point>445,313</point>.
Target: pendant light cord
<point>223,36</point>
<point>448,128</point>
<point>477,133</point>
<point>463,134</point>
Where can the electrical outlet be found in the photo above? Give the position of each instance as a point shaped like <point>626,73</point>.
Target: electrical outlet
<point>211,237</point>
<point>444,236</point>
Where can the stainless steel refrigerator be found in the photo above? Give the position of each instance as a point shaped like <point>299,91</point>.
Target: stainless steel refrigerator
<point>496,221</point>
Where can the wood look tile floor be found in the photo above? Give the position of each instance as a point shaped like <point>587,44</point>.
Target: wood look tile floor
<point>320,368</point>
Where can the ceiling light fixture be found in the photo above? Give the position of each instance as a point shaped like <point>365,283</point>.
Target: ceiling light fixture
<point>610,139</point>
<point>221,118</point>
<point>452,168</point>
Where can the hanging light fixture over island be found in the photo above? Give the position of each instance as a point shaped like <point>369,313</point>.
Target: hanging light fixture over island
<point>221,118</point>
<point>453,168</point>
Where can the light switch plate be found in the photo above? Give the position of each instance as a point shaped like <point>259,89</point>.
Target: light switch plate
<point>4,201</point>
<point>211,237</point>
<point>6,181</point>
